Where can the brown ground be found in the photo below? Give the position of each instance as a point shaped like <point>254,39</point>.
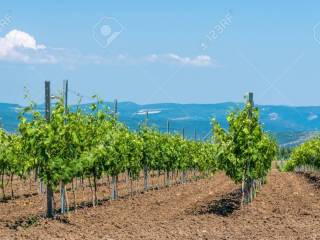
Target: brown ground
<point>288,207</point>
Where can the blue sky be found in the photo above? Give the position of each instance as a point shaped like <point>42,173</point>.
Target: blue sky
<point>165,51</point>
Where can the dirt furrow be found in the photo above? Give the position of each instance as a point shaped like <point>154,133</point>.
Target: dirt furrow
<point>287,207</point>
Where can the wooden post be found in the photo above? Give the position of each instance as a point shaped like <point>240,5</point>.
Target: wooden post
<point>147,118</point>
<point>145,165</point>
<point>168,126</point>
<point>62,185</point>
<point>114,193</point>
<point>250,100</point>
<point>41,187</point>
<point>195,134</point>
<point>115,108</point>
<point>50,206</point>
<point>251,181</point>
<point>145,176</point>
<point>167,178</point>
<point>65,96</point>
<point>248,183</point>
<point>114,178</point>
<point>184,171</point>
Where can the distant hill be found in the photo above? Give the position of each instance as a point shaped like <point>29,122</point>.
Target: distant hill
<point>290,125</point>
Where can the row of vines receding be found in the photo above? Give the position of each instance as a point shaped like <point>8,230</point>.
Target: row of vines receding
<point>92,143</point>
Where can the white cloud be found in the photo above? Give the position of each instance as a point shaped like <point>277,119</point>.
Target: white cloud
<point>201,60</point>
<point>16,39</point>
<point>19,46</point>
<point>172,58</point>
<point>22,47</point>
<point>152,58</point>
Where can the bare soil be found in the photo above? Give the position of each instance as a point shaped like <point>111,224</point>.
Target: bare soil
<point>287,207</point>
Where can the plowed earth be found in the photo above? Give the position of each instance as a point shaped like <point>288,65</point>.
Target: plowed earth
<point>287,207</point>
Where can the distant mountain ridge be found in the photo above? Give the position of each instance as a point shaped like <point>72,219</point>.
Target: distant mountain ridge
<point>288,124</point>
